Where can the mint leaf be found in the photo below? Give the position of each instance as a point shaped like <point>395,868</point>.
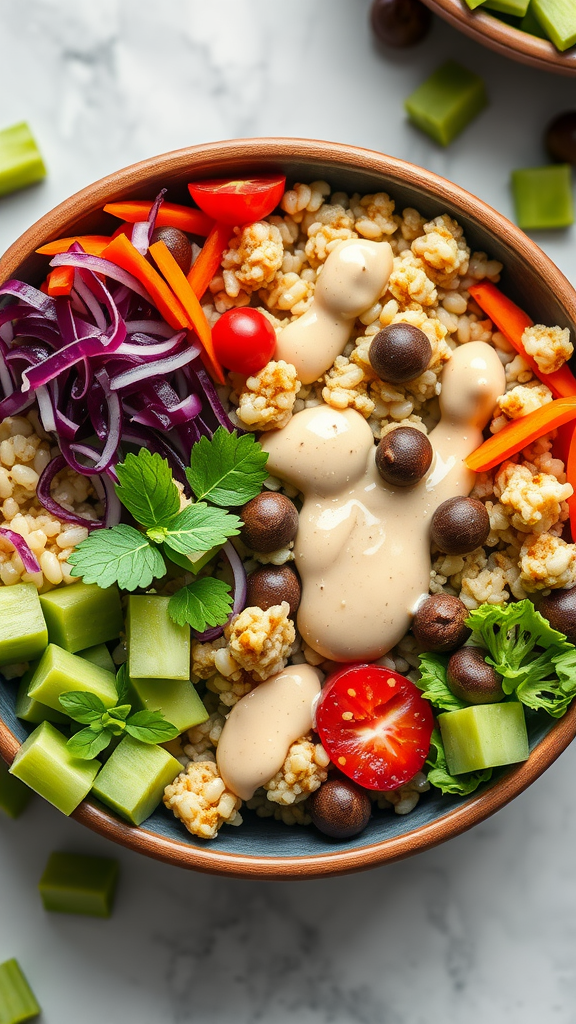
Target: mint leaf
<point>433,683</point>
<point>205,602</point>
<point>151,727</point>
<point>147,488</point>
<point>199,528</point>
<point>82,706</point>
<point>121,712</point>
<point>119,555</point>
<point>227,470</point>
<point>439,776</point>
<point>122,683</point>
<point>86,744</point>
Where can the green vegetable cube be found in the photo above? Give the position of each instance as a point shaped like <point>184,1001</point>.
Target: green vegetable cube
<point>446,102</point>
<point>82,615</point>
<point>60,672</point>
<point>157,647</point>
<point>178,701</point>
<point>99,655</point>
<point>75,884</point>
<point>193,563</point>
<point>14,795</point>
<point>517,8</point>
<point>558,19</point>
<point>473,4</point>
<point>30,710</point>
<point>484,736</point>
<point>20,161</point>
<point>531,25</point>
<point>23,633</point>
<point>543,196</point>
<point>134,778</point>
<point>17,1000</point>
<point>46,765</point>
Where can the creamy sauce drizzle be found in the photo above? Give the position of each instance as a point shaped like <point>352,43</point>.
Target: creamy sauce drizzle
<point>363,548</point>
<point>262,726</point>
<point>353,278</point>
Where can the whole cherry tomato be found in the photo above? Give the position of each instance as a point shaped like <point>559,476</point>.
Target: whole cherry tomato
<point>244,340</point>
<point>241,201</point>
<point>375,725</point>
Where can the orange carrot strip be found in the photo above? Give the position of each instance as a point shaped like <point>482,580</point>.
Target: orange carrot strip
<point>209,259</point>
<point>121,252</point>
<point>512,321</point>
<point>60,281</point>
<point>519,433</point>
<point>170,215</point>
<point>571,477</point>
<point>168,266</point>
<point>94,244</point>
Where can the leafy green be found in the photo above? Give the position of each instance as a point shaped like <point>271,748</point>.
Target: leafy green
<point>439,776</point>
<point>227,470</point>
<point>105,723</point>
<point>119,555</point>
<point>87,744</point>
<point>122,683</point>
<point>204,602</point>
<point>150,727</point>
<point>147,488</point>
<point>82,706</point>
<point>199,528</point>
<point>433,683</point>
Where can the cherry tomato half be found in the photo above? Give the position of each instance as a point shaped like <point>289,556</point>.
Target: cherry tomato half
<point>375,725</point>
<point>244,340</point>
<point>238,202</point>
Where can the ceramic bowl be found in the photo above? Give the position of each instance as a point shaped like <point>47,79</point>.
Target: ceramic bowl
<point>506,40</point>
<point>269,849</point>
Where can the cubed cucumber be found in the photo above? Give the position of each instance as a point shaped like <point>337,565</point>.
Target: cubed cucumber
<point>543,196</point>
<point>14,795</point>
<point>157,647</point>
<point>192,563</point>
<point>82,615</point>
<point>21,162</point>
<point>531,25</point>
<point>17,1000</point>
<point>60,672</point>
<point>484,736</point>
<point>446,102</point>
<point>134,778</point>
<point>517,8</point>
<point>23,633</point>
<point>30,710</point>
<point>558,19</point>
<point>473,4</point>
<point>178,701</point>
<point>99,655</point>
<point>46,765</point>
<point>75,884</point>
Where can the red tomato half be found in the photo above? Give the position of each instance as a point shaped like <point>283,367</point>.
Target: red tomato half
<point>375,725</point>
<point>238,202</point>
<point>244,340</point>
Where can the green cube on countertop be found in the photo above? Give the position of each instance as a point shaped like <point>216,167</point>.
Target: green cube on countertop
<point>45,764</point>
<point>21,163</point>
<point>157,647</point>
<point>76,884</point>
<point>14,795</point>
<point>446,102</point>
<point>178,701</point>
<point>23,632</point>
<point>17,1000</point>
<point>134,778</point>
<point>484,736</point>
<point>558,19</point>
<point>543,197</point>
<point>82,615</point>
<point>60,672</point>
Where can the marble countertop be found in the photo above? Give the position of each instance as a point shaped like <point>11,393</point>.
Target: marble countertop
<point>482,929</point>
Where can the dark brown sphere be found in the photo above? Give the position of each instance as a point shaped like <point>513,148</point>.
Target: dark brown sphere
<point>270,522</point>
<point>460,525</point>
<point>340,809</point>
<point>560,610</point>
<point>400,353</point>
<point>439,623</point>
<point>560,138</point>
<point>471,678</point>
<point>400,23</point>
<point>273,584</point>
<point>403,456</point>
<point>179,245</point>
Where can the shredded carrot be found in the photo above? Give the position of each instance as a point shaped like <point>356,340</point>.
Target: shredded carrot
<point>168,266</point>
<point>208,260</point>
<point>93,244</point>
<point>123,254</point>
<point>519,433</point>
<point>512,321</point>
<point>60,281</point>
<point>124,229</point>
<point>571,478</point>
<point>170,215</point>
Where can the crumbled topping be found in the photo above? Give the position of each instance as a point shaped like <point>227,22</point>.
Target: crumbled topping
<point>534,499</point>
<point>404,799</point>
<point>254,256</point>
<point>267,399</point>
<point>409,282</point>
<point>304,770</point>
<point>204,655</point>
<point>199,799</point>
<point>550,347</point>
<point>203,739</point>
<point>260,641</point>
<point>547,561</point>
<point>374,216</point>
<point>519,401</point>
<point>443,250</point>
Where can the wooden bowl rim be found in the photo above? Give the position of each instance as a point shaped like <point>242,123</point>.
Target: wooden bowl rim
<point>505,39</point>
<point>267,151</point>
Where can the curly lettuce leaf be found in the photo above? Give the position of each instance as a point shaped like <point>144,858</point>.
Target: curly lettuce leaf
<point>553,693</point>
<point>433,683</point>
<point>439,776</point>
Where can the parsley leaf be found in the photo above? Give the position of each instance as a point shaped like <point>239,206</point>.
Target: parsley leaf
<point>118,555</point>
<point>86,744</point>
<point>205,602</point>
<point>147,488</point>
<point>227,470</point>
<point>151,727</point>
<point>199,528</point>
<point>433,683</point>
<point>82,706</point>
